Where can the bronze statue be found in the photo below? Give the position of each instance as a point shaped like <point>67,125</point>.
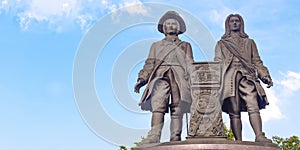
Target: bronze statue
<point>241,70</point>
<point>166,74</point>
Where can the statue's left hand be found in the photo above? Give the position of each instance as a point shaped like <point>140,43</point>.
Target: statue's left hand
<point>138,85</point>
<point>267,80</point>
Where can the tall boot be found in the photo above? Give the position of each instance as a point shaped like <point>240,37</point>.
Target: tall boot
<point>236,127</point>
<point>176,127</point>
<point>256,123</point>
<point>157,123</point>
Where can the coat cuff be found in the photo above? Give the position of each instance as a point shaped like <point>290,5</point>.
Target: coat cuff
<point>143,75</point>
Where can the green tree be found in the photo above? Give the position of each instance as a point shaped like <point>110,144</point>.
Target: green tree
<point>228,133</point>
<point>136,145</point>
<point>139,143</point>
<point>122,147</point>
<point>291,143</point>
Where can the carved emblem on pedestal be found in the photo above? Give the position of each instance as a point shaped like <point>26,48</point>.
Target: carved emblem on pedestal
<point>206,114</point>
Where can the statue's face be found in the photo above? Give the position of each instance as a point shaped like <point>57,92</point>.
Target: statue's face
<point>171,27</point>
<point>234,24</point>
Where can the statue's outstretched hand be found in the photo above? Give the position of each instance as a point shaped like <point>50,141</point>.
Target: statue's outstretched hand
<point>267,80</point>
<point>141,82</point>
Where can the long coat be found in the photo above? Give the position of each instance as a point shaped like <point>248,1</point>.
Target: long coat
<point>249,52</point>
<point>157,55</point>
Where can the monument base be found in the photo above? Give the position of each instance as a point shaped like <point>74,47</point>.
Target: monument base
<point>210,144</point>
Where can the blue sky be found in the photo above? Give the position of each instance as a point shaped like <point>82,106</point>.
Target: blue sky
<point>45,45</point>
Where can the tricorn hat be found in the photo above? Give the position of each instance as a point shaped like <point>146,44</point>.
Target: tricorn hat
<point>171,15</point>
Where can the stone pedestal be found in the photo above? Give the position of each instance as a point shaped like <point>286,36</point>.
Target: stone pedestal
<point>206,114</point>
<point>211,144</point>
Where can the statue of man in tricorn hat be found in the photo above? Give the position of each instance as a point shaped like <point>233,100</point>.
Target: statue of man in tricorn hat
<point>242,68</point>
<point>167,77</point>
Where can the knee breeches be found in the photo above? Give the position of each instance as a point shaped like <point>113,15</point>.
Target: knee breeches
<point>165,93</point>
<point>246,91</point>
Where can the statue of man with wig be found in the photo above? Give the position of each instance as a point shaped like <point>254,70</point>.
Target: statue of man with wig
<point>242,70</point>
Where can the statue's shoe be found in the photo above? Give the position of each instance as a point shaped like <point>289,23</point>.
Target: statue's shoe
<point>262,139</point>
<point>151,139</point>
<point>175,138</point>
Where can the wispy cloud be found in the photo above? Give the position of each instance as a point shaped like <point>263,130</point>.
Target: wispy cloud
<point>291,81</point>
<point>273,110</point>
<point>85,21</point>
<point>50,14</point>
<point>54,14</point>
<point>137,9</point>
<point>128,6</point>
<point>217,16</point>
<point>3,5</point>
<point>284,89</point>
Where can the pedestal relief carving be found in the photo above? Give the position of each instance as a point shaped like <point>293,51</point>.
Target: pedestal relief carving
<point>206,114</point>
